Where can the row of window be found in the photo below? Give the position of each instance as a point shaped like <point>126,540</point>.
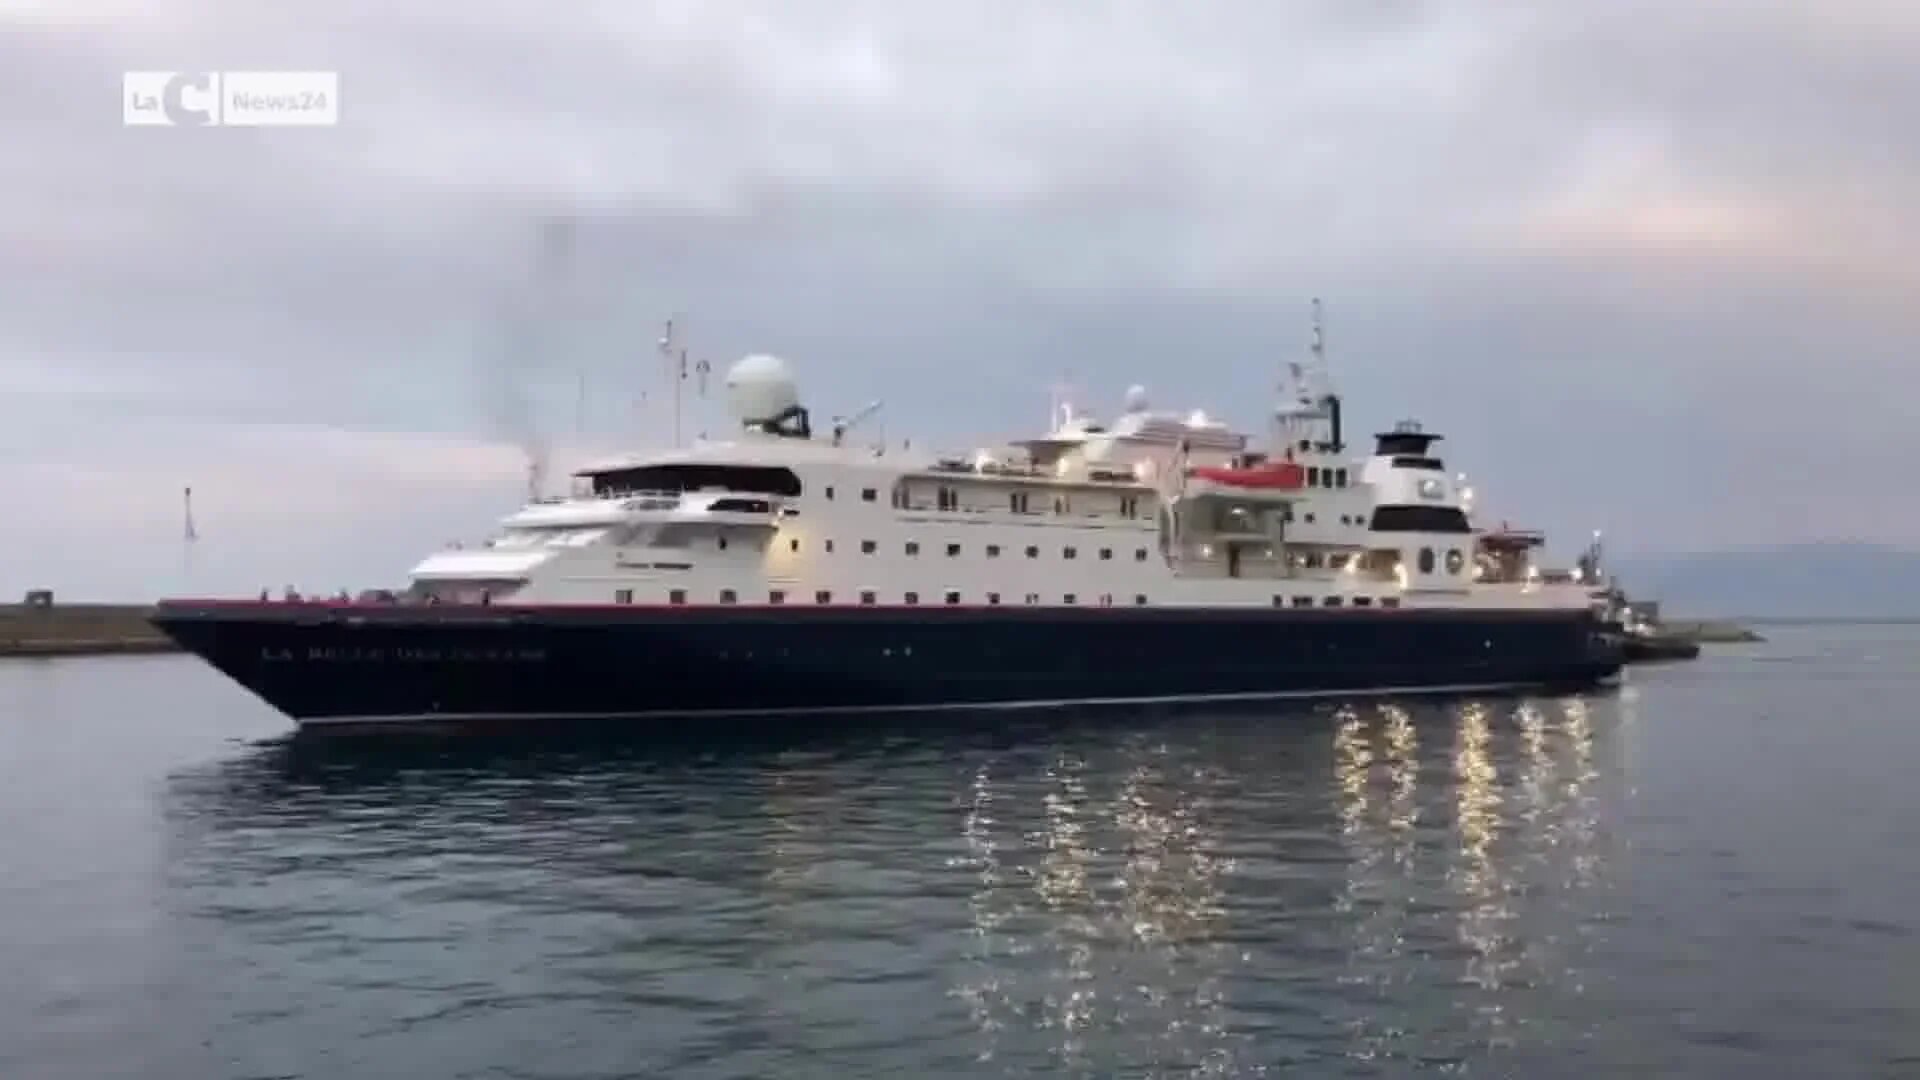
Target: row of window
<point>1019,502</point>
<point>1456,562</point>
<point>952,596</point>
<point>1327,478</point>
<point>912,547</point>
<point>1336,601</point>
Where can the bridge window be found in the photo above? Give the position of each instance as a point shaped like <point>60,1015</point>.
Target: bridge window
<point>1433,519</point>
<point>1331,601</point>
<point>623,596</point>
<point>823,597</point>
<point>754,479</point>
<point>913,598</point>
<point>1069,553</point>
<point>868,495</point>
<point>1313,476</point>
<point>1339,478</point>
<point>866,547</point>
<point>1067,599</point>
<point>1139,554</point>
<point>776,597</point>
<point>953,596</point>
<point>993,598</point>
<point>953,550</point>
<point>1106,553</point>
<point>677,596</point>
<point>913,547</point>
<point>1389,601</point>
<point>1303,601</point>
<point>1363,601</point>
<point>993,551</point>
<point>727,596</point>
<point>866,596</point>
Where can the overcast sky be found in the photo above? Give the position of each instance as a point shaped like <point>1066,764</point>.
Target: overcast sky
<point>1648,265</point>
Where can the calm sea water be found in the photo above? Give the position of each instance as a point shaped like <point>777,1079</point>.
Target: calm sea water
<point>1711,872</point>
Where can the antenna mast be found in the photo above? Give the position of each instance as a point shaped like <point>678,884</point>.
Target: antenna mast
<point>1319,337</point>
<point>675,356</point>
<point>191,534</point>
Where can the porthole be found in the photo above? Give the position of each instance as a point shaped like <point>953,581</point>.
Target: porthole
<point>1455,561</point>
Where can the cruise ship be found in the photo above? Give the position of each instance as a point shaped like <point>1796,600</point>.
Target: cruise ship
<point>801,570</point>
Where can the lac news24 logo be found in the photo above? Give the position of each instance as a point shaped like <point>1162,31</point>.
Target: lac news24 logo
<point>230,98</point>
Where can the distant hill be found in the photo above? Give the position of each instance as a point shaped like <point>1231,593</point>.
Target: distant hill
<point>1793,581</point>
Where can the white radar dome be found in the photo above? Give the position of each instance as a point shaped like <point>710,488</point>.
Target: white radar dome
<point>761,388</point>
<point>1136,399</point>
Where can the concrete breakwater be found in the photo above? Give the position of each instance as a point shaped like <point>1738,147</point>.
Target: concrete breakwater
<point>79,630</point>
<point>1708,631</point>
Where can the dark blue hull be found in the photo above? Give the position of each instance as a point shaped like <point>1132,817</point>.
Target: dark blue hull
<point>354,666</point>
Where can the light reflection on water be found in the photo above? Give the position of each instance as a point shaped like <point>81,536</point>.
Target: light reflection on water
<point>1703,873</point>
<point>1222,895</point>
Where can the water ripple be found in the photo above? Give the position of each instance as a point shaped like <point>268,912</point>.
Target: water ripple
<point>1633,883</point>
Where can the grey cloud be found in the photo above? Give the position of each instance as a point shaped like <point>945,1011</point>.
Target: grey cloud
<point>1618,252</point>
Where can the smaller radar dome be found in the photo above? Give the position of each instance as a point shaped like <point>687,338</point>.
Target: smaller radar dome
<point>1136,399</point>
<point>761,389</point>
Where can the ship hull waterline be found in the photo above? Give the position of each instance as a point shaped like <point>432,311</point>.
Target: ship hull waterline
<point>352,668</point>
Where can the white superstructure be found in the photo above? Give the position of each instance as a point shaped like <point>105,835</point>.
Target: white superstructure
<point>1152,508</point>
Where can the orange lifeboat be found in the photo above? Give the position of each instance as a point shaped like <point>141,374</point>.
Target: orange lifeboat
<point>1275,475</point>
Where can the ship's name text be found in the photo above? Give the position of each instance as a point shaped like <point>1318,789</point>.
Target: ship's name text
<point>354,655</point>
